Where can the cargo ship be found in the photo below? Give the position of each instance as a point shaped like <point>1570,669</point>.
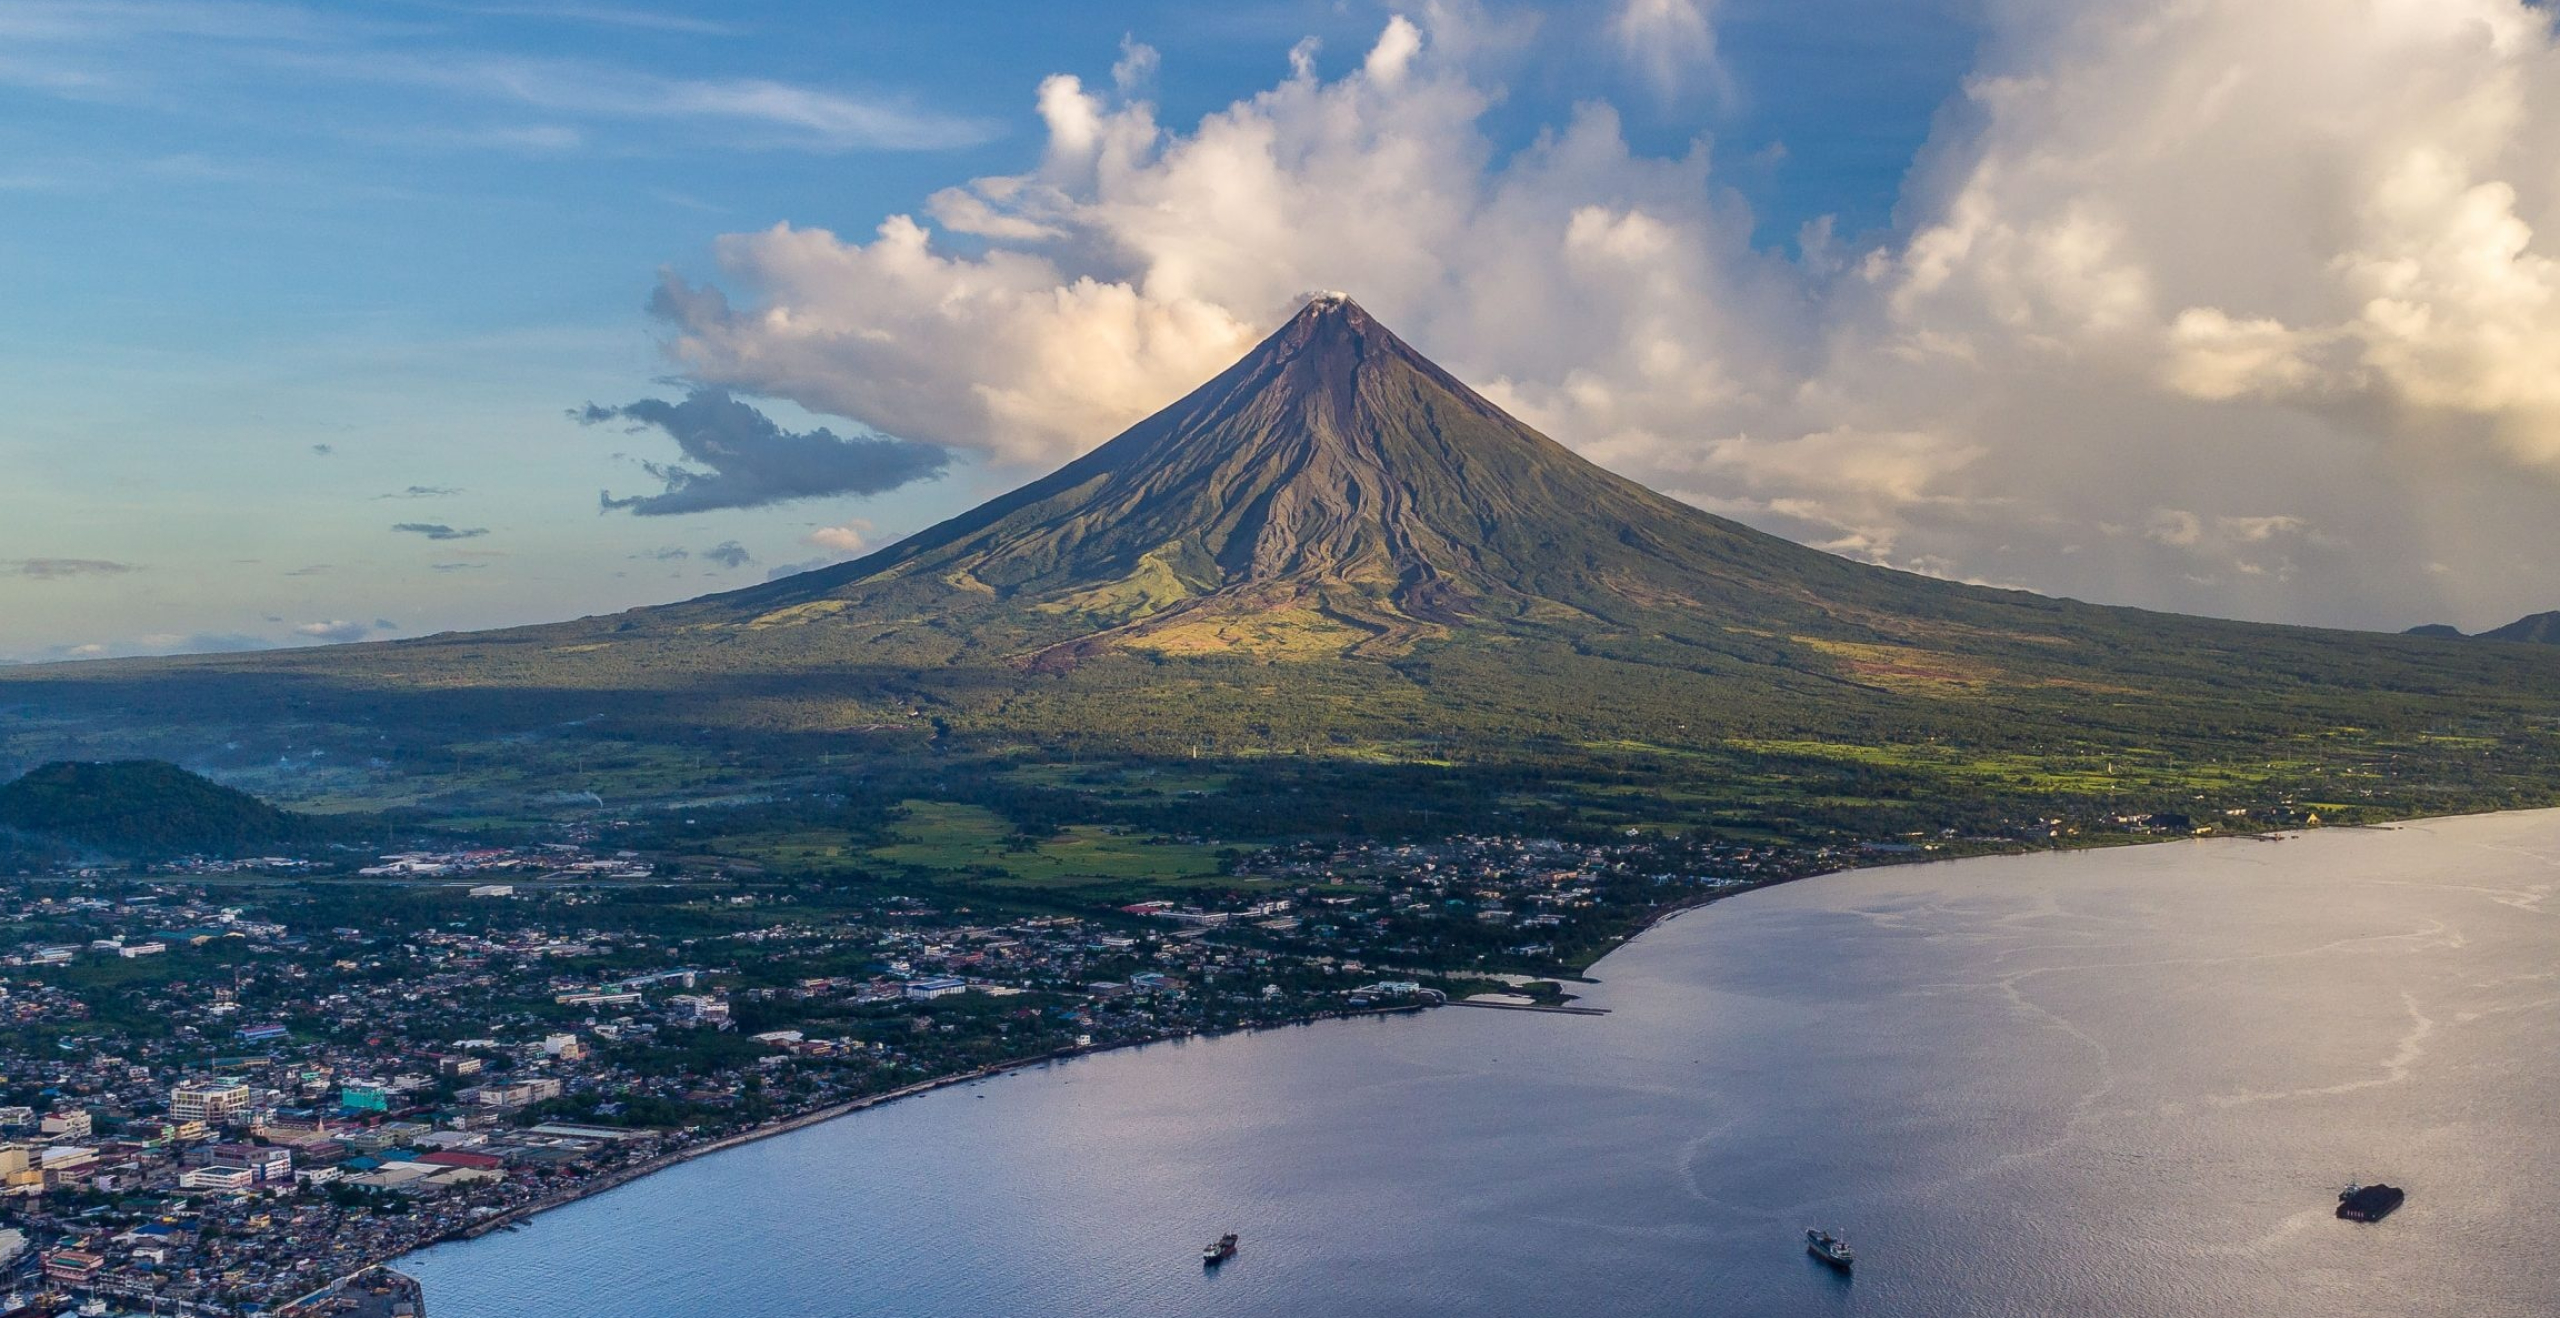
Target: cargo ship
<point>1218,1251</point>
<point>2368,1203</point>
<point>1830,1249</point>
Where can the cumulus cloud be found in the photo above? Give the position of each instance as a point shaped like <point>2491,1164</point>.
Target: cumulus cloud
<point>440,531</point>
<point>57,569</point>
<point>2300,201</point>
<point>842,543</point>
<point>2210,258</point>
<point>729,554</point>
<point>853,537</point>
<point>339,631</point>
<point>753,462</point>
<point>1135,263</point>
<point>1669,42</point>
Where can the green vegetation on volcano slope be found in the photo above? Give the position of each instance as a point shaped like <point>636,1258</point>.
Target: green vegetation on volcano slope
<point>947,841</point>
<point>1465,732</point>
<point>1357,597</point>
<point>971,839</point>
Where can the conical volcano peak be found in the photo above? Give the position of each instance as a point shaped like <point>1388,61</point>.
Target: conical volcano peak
<point>1332,317</point>
<point>1331,367</point>
<point>1334,490</point>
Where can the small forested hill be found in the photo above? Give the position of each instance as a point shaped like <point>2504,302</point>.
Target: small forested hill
<point>142,807</point>
<point>1335,558</point>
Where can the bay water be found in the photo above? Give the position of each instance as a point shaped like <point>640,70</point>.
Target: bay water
<point>2127,1082</point>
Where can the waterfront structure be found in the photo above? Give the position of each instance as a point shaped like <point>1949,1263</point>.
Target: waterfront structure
<point>73,1267</point>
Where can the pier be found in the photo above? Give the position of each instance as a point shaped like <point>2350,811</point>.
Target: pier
<point>375,1292</point>
<point>1530,1006</point>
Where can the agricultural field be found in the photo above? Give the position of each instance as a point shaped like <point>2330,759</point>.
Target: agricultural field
<point>948,842</point>
<point>974,841</point>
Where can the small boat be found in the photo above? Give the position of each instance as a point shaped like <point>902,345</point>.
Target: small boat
<point>1830,1249</point>
<point>2369,1203</point>
<point>1218,1251</point>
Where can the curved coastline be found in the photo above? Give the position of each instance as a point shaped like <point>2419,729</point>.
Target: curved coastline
<point>621,1177</point>
<point>1960,1067</point>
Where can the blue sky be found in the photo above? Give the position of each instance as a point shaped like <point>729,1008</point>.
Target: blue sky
<point>276,279</point>
<point>418,234</point>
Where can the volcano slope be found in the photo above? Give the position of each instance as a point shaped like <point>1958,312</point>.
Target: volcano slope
<point>1335,587</point>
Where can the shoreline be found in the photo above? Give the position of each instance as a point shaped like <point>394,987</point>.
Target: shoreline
<point>617,1179</point>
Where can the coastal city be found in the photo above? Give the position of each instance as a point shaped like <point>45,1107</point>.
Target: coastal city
<point>236,1086</point>
<point>1277,659</point>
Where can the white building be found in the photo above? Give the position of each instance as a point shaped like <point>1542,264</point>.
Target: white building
<point>218,1178</point>
<point>213,1102</point>
<point>698,1009</point>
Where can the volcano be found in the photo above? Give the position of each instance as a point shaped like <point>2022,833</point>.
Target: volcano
<point>1334,492</point>
<point>1336,553</point>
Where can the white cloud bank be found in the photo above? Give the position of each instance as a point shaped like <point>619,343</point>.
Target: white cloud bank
<point>2248,306</point>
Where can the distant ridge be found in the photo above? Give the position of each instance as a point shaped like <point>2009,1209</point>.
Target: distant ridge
<point>2534,629</point>
<point>2538,628</point>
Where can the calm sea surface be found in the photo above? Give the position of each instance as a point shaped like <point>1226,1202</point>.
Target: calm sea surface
<point>2119,1083</point>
